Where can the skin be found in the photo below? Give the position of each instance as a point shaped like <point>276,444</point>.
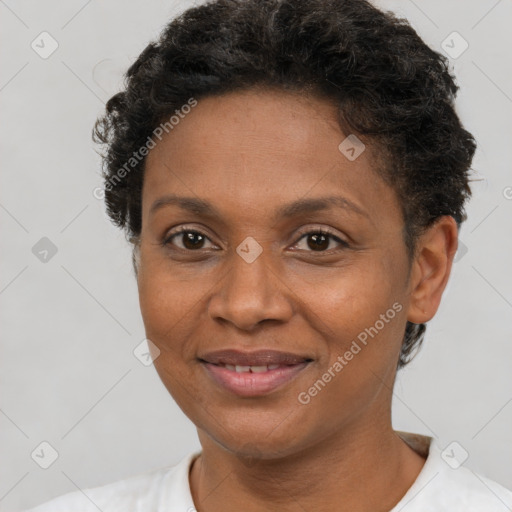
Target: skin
<point>248,154</point>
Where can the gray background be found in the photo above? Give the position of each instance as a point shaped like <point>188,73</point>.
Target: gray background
<point>71,323</point>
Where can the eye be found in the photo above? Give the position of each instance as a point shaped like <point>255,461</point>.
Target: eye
<point>318,240</point>
<point>191,240</point>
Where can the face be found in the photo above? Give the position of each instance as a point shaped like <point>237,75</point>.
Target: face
<point>242,251</point>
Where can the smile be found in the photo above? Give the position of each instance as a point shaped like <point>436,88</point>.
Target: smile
<point>252,381</point>
<point>253,369</point>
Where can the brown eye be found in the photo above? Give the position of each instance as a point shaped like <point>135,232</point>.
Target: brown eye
<point>320,240</point>
<point>190,240</point>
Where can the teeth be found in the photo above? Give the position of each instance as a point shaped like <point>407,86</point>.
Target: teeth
<point>258,369</point>
<point>253,369</point>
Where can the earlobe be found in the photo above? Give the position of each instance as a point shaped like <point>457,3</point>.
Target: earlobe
<point>432,265</point>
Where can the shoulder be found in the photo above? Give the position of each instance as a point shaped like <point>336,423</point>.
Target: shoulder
<point>142,492</point>
<point>444,484</point>
<point>466,490</point>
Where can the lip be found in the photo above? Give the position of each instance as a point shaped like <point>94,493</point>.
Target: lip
<point>247,384</point>
<point>254,358</point>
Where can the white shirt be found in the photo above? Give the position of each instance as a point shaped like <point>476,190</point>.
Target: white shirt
<point>442,486</point>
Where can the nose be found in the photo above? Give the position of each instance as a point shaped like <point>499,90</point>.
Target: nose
<point>250,293</point>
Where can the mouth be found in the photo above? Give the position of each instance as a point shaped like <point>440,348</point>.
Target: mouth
<point>252,374</point>
<point>252,369</point>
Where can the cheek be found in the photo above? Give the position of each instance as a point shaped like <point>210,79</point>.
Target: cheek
<point>348,299</point>
<point>361,320</point>
<point>360,313</point>
<point>169,310</point>
<point>167,293</point>
<point>168,305</point>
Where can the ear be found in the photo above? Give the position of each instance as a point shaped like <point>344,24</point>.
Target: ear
<point>431,268</point>
<point>135,256</point>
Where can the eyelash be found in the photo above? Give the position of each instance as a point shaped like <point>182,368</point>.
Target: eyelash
<point>320,231</point>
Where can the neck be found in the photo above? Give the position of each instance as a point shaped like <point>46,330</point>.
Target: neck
<point>360,469</point>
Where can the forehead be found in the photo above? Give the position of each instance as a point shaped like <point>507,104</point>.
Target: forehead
<point>262,150</point>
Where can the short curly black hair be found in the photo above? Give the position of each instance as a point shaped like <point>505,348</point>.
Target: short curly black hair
<point>389,87</point>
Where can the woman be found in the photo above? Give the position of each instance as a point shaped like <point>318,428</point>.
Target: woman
<point>292,175</point>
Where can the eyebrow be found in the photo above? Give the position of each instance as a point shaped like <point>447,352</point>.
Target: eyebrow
<point>301,206</point>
